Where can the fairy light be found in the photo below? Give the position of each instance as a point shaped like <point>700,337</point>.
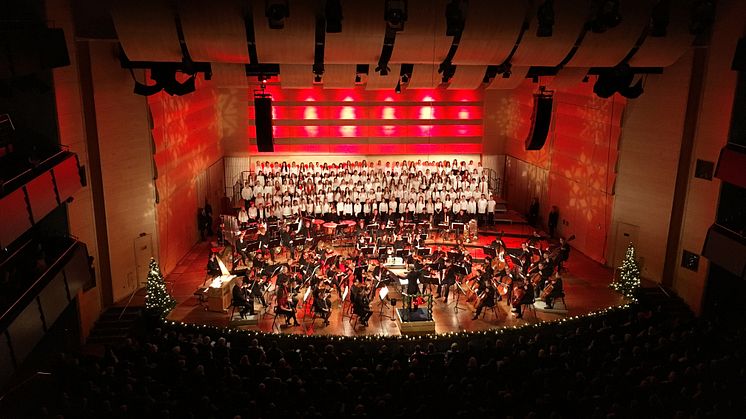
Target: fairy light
<point>629,280</point>
<point>157,299</point>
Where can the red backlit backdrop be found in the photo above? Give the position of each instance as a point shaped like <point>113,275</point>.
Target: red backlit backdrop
<point>187,141</point>
<point>356,121</point>
<point>575,170</point>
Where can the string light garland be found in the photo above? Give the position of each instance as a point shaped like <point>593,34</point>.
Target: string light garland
<point>629,277</point>
<point>158,301</point>
<point>430,337</point>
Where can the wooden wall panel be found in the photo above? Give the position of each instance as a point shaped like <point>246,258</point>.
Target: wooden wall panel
<point>186,133</point>
<point>648,161</point>
<point>126,162</point>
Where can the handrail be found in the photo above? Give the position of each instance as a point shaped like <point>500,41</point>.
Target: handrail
<point>132,294</point>
<point>48,163</point>
<point>34,288</point>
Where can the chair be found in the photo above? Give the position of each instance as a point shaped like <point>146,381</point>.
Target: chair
<point>529,307</point>
<point>492,308</point>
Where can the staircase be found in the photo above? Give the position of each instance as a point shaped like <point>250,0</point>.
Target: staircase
<point>114,325</point>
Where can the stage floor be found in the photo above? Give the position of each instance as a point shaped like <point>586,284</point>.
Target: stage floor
<point>586,286</point>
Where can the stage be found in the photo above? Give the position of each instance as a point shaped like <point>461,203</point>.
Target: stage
<point>586,286</point>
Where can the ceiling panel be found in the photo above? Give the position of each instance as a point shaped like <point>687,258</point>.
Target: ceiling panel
<point>291,45</point>
<point>339,76</point>
<point>517,76</point>
<point>569,20</point>
<point>214,31</point>
<point>378,82</point>
<point>662,52</point>
<point>296,76</point>
<point>491,31</point>
<point>424,76</point>
<point>609,48</point>
<point>423,40</point>
<point>147,30</point>
<point>361,39</point>
<point>229,75</point>
<point>467,77</point>
<point>568,77</point>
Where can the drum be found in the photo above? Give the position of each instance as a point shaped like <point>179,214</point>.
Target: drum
<point>329,228</point>
<point>348,225</point>
<point>317,222</point>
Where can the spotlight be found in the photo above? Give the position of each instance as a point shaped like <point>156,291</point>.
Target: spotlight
<point>454,18</point>
<point>276,12</point>
<point>396,14</point>
<point>180,89</point>
<point>397,89</point>
<point>405,78</point>
<point>659,19</point>
<point>333,14</point>
<point>447,69</point>
<point>146,90</point>
<point>358,79</point>
<point>382,69</point>
<point>317,78</point>
<point>606,15</point>
<point>545,16</point>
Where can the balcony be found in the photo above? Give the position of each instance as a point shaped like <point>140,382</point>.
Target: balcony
<point>31,195</point>
<point>38,296</point>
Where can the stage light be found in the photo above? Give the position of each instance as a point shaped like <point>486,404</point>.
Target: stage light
<point>405,78</point>
<point>397,89</point>
<point>317,78</point>
<point>545,17</point>
<point>447,70</point>
<point>146,90</point>
<point>659,19</point>
<point>333,14</point>
<point>454,18</point>
<point>382,69</point>
<point>358,79</point>
<point>276,12</point>
<point>395,14</point>
<point>606,15</point>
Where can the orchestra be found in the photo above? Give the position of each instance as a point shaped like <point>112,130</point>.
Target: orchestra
<point>381,230</point>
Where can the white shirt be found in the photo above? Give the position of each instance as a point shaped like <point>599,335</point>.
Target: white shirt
<point>482,206</point>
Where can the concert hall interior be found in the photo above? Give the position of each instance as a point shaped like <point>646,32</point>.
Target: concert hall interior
<point>312,208</point>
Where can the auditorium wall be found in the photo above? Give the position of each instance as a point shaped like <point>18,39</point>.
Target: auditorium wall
<point>576,168</point>
<point>652,130</point>
<point>186,135</point>
<point>72,134</point>
<point>711,135</point>
<point>127,167</point>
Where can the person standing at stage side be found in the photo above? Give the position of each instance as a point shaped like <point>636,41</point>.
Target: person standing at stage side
<point>482,210</point>
<point>553,220</point>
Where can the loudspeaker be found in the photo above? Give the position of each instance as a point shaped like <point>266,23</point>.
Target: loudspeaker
<point>263,121</point>
<point>739,58</point>
<point>541,118</point>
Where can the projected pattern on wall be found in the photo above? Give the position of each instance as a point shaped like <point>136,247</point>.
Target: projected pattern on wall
<point>357,121</point>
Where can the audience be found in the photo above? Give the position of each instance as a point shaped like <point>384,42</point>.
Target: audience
<point>627,363</point>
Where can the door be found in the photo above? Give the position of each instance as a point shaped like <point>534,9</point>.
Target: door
<point>143,253</point>
<point>625,234</point>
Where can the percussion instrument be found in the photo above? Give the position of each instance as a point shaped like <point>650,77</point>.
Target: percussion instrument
<point>348,225</point>
<point>317,222</point>
<point>329,228</point>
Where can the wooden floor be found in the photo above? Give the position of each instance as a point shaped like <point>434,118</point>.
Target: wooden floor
<point>586,286</point>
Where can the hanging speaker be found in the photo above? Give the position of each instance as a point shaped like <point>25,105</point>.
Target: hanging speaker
<point>263,121</point>
<point>541,118</point>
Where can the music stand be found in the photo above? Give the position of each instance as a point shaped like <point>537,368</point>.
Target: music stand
<point>252,246</point>
<point>382,293</point>
<point>490,251</point>
<point>274,243</point>
<point>459,291</point>
<point>424,251</point>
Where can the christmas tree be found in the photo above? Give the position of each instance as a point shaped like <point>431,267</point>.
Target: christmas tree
<point>629,278</point>
<point>157,299</point>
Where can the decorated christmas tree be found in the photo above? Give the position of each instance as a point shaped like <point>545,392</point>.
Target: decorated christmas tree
<point>157,299</point>
<point>629,278</point>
